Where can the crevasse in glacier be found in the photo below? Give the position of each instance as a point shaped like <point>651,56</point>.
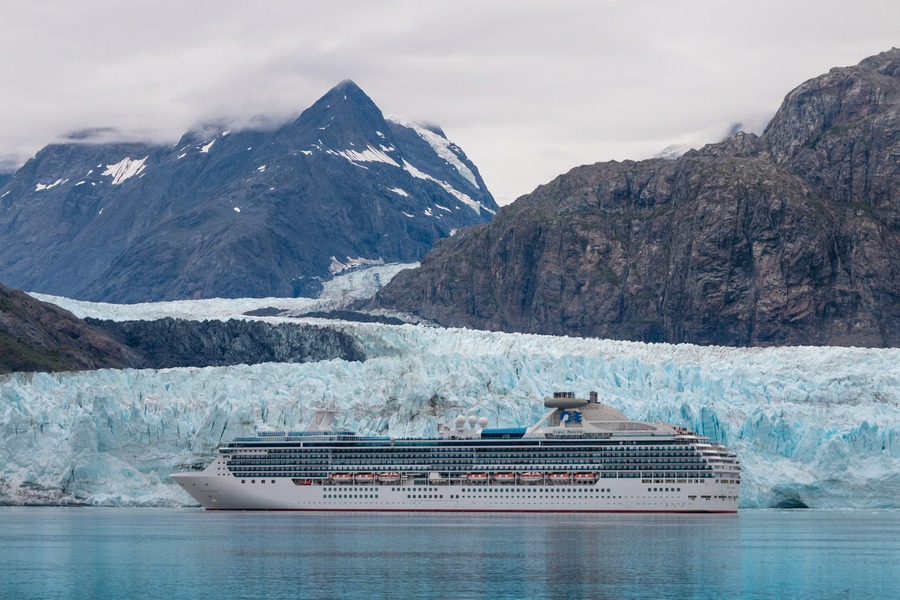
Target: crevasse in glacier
<point>813,426</point>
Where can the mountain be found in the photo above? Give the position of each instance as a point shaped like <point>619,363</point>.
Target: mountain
<point>791,237</point>
<point>236,213</point>
<point>37,336</point>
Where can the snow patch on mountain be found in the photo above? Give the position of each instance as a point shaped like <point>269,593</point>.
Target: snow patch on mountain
<point>42,186</point>
<point>464,198</point>
<point>442,147</point>
<point>125,169</point>
<point>370,154</point>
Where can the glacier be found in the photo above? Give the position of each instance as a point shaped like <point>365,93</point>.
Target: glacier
<point>818,427</point>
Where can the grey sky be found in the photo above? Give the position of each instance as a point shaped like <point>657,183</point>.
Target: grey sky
<point>528,89</point>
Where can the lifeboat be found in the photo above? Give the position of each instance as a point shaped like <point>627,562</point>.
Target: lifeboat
<point>585,477</point>
<point>364,477</point>
<point>342,477</point>
<point>477,477</point>
<point>560,477</point>
<point>531,477</point>
<point>389,477</point>
<point>505,477</point>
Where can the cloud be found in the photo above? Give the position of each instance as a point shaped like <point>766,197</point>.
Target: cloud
<point>528,89</point>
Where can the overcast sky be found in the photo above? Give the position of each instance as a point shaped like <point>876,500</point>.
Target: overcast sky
<point>528,89</point>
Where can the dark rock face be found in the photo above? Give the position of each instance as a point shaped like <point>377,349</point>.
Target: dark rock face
<point>36,336</point>
<point>236,214</point>
<point>171,342</point>
<point>788,238</point>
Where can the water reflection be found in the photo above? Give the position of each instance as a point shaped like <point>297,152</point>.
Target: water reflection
<point>80,553</point>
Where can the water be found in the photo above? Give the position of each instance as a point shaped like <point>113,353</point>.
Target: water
<point>186,553</point>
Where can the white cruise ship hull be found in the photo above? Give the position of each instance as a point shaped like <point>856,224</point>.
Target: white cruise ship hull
<point>216,489</point>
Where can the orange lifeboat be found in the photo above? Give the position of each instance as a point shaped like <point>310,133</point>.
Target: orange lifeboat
<point>560,477</point>
<point>342,477</point>
<point>477,477</point>
<point>531,477</point>
<point>389,477</point>
<point>364,477</point>
<point>585,477</point>
<point>505,477</point>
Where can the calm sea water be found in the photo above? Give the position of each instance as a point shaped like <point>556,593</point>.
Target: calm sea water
<point>186,553</point>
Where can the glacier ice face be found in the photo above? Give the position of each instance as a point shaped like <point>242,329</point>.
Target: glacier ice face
<point>819,426</point>
<point>358,284</point>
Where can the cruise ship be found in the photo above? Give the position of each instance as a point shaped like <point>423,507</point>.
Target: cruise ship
<point>581,456</point>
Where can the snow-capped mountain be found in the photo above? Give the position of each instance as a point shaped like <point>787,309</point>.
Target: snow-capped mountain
<point>236,213</point>
<point>811,426</point>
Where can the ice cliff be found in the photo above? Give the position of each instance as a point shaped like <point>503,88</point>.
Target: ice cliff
<point>817,426</point>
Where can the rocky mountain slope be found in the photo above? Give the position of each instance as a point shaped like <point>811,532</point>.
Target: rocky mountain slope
<point>236,213</point>
<point>792,237</point>
<point>37,336</point>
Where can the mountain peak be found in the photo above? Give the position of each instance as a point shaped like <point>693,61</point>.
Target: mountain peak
<point>834,102</point>
<point>344,113</point>
<point>344,91</point>
<point>887,62</point>
<point>346,85</point>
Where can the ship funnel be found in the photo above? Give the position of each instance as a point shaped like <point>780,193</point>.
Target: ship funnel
<point>593,397</point>
<point>321,421</point>
<point>564,400</point>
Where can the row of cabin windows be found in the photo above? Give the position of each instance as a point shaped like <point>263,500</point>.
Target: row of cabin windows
<point>438,467</point>
<point>333,496</point>
<point>455,453</point>
<point>663,463</point>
